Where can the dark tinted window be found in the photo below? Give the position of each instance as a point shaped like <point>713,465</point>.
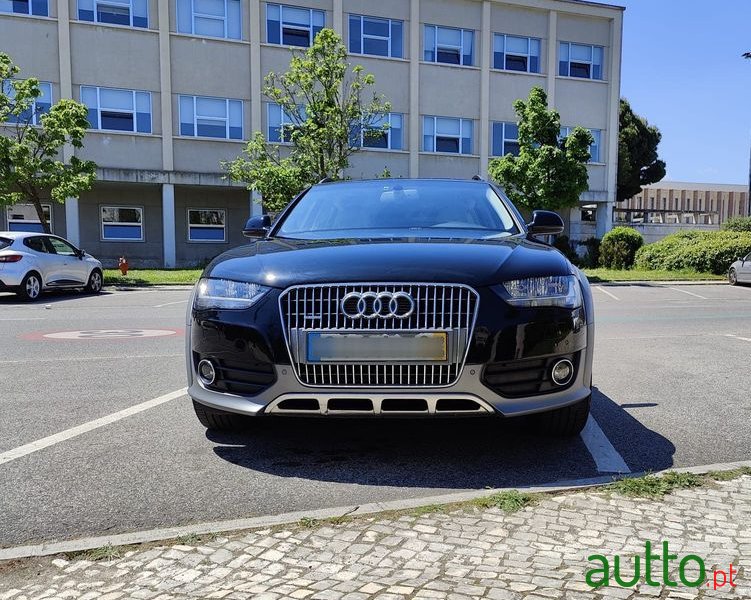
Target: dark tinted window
<point>36,243</point>
<point>5,242</point>
<point>373,208</point>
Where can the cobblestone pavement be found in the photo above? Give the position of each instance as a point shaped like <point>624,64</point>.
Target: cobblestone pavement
<point>466,552</point>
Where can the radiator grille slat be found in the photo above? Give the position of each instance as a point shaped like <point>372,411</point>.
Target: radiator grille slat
<point>437,307</point>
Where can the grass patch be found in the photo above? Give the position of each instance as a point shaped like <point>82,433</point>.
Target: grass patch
<point>108,552</point>
<point>189,539</point>
<point>509,502</point>
<point>729,475</point>
<point>655,487</point>
<point>428,510</point>
<point>607,275</point>
<point>145,277</point>
<point>308,522</point>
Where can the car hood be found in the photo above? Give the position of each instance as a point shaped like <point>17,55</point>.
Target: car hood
<point>284,262</point>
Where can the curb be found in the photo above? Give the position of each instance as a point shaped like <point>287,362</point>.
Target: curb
<point>661,283</point>
<point>139,288</point>
<point>291,518</point>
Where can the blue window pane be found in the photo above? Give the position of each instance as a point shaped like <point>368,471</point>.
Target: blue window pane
<point>429,43</point>
<point>40,8</point>
<point>184,16</point>
<point>32,227</point>
<point>376,47</point>
<point>117,121</point>
<point>563,68</point>
<point>534,64</point>
<point>140,13</point>
<point>319,19</point>
<point>449,56</point>
<point>42,108</point>
<point>186,129</point>
<point>376,138</point>
<point>512,131</point>
<point>396,137</point>
<point>468,41</point>
<point>497,139</point>
<point>427,143</point>
<point>466,145</point>
<point>113,14</point>
<point>235,133</point>
<point>210,129</point>
<point>143,122</point>
<point>234,20</point>
<point>275,134</point>
<point>125,232</point>
<point>295,37</point>
<point>596,72</point>
<point>377,27</point>
<point>498,60</point>
<point>355,35</point>
<point>516,63</point>
<point>93,118</point>
<point>21,7</point>
<point>446,144</point>
<point>206,234</point>
<point>316,30</point>
<point>397,37</point>
<point>85,15</point>
<point>583,70</point>
<point>140,22</point>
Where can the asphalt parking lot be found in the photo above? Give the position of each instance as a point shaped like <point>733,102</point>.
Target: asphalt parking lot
<point>671,371</point>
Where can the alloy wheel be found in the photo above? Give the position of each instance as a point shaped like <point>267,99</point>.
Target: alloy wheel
<point>33,286</point>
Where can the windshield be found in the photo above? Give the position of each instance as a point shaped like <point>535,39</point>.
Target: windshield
<point>387,208</point>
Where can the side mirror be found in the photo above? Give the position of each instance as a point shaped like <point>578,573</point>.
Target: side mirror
<point>545,222</point>
<point>81,254</point>
<point>257,227</point>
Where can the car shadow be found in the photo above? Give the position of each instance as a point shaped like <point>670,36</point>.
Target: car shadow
<point>48,297</point>
<point>448,454</point>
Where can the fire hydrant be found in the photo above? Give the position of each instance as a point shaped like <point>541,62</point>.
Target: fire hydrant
<point>122,264</point>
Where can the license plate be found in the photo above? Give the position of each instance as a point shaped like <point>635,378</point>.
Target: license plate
<point>377,347</point>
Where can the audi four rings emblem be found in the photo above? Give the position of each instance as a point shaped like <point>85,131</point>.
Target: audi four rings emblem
<point>369,305</point>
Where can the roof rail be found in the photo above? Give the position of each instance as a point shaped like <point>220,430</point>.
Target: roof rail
<point>326,180</point>
<point>477,178</point>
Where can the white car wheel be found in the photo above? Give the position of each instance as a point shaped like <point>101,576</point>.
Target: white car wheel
<point>31,287</point>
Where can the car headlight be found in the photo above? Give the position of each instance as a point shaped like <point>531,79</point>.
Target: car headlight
<point>558,290</point>
<point>224,293</point>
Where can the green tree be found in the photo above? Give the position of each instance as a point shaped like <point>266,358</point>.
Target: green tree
<point>30,167</point>
<point>638,164</point>
<point>329,102</point>
<point>549,172</point>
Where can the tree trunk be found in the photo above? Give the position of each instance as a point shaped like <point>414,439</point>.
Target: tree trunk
<point>40,213</point>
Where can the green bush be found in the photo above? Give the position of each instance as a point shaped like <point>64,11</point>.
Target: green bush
<point>737,224</point>
<point>704,251</point>
<point>619,246</point>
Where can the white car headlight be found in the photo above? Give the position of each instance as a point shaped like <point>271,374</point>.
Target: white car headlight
<point>224,293</point>
<point>558,290</point>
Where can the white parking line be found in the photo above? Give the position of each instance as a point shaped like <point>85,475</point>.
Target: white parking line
<point>606,457</point>
<point>170,303</point>
<point>604,291</point>
<point>51,440</point>
<point>689,293</point>
<point>84,358</point>
<point>737,337</point>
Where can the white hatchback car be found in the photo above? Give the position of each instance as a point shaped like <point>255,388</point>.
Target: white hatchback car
<point>33,262</point>
<point>740,270</point>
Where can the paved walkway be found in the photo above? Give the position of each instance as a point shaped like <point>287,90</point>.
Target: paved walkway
<point>537,553</point>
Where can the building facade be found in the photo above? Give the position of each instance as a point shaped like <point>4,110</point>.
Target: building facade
<point>174,88</point>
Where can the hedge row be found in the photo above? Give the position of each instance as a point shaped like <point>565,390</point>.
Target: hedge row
<point>705,251</point>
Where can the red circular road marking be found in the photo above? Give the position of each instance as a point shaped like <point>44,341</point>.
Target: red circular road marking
<point>100,334</point>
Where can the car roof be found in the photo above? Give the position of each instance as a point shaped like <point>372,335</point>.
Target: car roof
<point>20,235</point>
<point>393,180</point>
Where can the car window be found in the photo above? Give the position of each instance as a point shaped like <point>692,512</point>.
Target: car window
<point>748,256</point>
<point>4,243</point>
<point>61,247</point>
<point>36,243</point>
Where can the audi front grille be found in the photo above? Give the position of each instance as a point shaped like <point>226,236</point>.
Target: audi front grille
<point>388,308</point>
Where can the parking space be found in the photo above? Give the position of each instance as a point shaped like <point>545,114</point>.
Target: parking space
<point>671,390</point>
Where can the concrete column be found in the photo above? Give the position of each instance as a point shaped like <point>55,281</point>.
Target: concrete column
<point>338,24</point>
<point>72,223</point>
<point>552,55</point>
<point>165,85</point>
<point>485,54</point>
<point>256,77</point>
<point>168,224</point>
<point>604,217</point>
<point>614,99</point>
<point>415,143</point>
<point>63,53</point>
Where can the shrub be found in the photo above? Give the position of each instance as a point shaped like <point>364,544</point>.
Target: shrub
<point>619,246</point>
<point>704,251</point>
<point>737,224</point>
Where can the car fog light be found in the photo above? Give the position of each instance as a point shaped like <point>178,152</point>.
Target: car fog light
<point>562,372</point>
<point>206,372</point>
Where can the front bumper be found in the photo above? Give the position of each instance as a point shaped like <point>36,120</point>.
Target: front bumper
<point>503,336</point>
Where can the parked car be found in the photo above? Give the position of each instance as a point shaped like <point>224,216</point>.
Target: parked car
<point>740,270</point>
<point>31,263</point>
<point>399,297</point>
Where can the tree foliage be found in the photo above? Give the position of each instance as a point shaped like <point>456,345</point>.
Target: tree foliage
<point>329,104</point>
<point>638,164</point>
<point>549,172</point>
<point>30,167</point>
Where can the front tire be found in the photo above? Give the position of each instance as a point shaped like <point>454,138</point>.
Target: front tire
<point>732,277</point>
<point>219,420</point>
<point>94,286</point>
<point>31,287</point>
<point>565,422</point>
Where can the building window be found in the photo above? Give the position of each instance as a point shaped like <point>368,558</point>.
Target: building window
<point>211,117</point>
<point>39,8</point>
<point>124,223</point>
<point>206,225</point>
<point>280,124</point>
<point>443,134</point>
<point>505,139</point>
<point>23,217</point>
<point>579,60</point>
<point>134,13</point>
<point>379,37</point>
<point>292,26</point>
<point>449,45</point>
<point>516,53</point>
<point>40,106</point>
<point>117,110</point>
<point>594,149</point>
<point>384,132</point>
<point>212,18</point>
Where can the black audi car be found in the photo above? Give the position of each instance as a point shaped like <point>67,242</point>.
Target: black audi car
<point>393,297</point>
